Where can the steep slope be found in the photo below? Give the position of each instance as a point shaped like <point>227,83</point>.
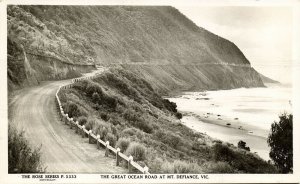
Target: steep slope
<point>84,35</point>
<point>266,79</point>
<point>125,110</point>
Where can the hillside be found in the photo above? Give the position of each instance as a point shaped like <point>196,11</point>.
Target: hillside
<point>62,41</point>
<point>125,110</point>
<point>266,79</point>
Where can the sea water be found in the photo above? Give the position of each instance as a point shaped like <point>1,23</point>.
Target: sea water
<point>253,107</point>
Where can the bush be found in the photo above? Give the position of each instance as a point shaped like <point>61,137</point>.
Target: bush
<point>180,167</point>
<point>110,102</point>
<point>131,132</point>
<point>123,144</point>
<point>178,115</point>
<point>218,167</point>
<point>169,138</point>
<point>170,106</point>
<point>82,120</point>
<point>95,97</point>
<point>91,123</point>
<point>111,138</point>
<point>101,128</point>
<point>155,165</point>
<point>22,158</point>
<point>281,142</point>
<point>144,126</point>
<point>222,152</point>
<point>242,145</point>
<point>92,88</point>
<point>73,110</point>
<point>104,116</point>
<point>137,151</point>
<point>81,85</point>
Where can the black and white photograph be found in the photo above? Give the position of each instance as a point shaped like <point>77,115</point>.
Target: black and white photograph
<point>142,91</point>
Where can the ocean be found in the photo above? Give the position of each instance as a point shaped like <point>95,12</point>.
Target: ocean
<point>238,114</point>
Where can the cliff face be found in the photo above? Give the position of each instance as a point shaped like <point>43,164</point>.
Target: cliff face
<point>143,36</point>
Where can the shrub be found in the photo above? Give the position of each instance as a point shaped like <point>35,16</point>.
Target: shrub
<point>95,97</point>
<point>111,138</point>
<point>101,128</point>
<point>129,132</point>
<point>123,144</point>
<point>169,138</point>
<point>155,165</point>
<point>222,153</point>
<point>170,106</point>
<point>91,122</point>
<point>92,88</point>
<point>180,167</point>
<point>115,120</point>
<point>218,167</point>
<point>103,132</point>
<point>110,102</point>
<point>137,151</point>
<point>73,110</point>
<point>104,116</point>
<point>144,126</point>
<point>22,158</point>
<point>242,145</point>
<point>178,115</point>
<point>81,85</point>
<point>82,120</point>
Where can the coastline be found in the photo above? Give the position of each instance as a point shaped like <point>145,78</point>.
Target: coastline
<point>218,130</point>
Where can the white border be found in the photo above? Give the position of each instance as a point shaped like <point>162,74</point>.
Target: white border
<point>213,178</point>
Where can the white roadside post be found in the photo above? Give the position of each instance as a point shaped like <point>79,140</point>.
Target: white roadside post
<point>66,119</point>
<point>90,136</point>
<point>98,143</point>
<point>82,132</point>
<point>76,128</point>
<point>146,170</point>
<point>106,148</point>
<point>71,123</point>
<point>118,157</point>
<point>130,159</point>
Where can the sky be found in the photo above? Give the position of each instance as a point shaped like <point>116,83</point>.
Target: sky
<point>264,34</point>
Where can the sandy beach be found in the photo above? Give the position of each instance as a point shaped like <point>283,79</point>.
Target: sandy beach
<point>237,114</point>
<point>233,133</point>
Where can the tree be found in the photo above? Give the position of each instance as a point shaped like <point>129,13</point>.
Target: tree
<point>281,142</point>
<point>21,157</point>
<point>242,145</point>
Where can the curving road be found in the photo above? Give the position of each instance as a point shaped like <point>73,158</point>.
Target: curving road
<point>33,110</point>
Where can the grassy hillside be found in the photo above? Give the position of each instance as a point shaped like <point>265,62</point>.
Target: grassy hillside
<point>52,39</point>
<point>128,112</point>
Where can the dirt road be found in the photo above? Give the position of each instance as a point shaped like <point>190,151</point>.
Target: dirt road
<point>33,109</point>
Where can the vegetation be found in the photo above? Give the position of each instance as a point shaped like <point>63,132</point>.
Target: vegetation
<point>281,142</point>
<point>125,110</point>
<point>242,145</point>
<point>53,35</point>
<point>137,151</point>
<point>21,157</point>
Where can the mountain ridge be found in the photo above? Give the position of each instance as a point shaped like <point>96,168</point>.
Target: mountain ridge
<point>113,35</point>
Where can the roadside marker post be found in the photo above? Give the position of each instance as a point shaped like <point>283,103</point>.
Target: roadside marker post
<point>106,148</point>
<point>118,157</point>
